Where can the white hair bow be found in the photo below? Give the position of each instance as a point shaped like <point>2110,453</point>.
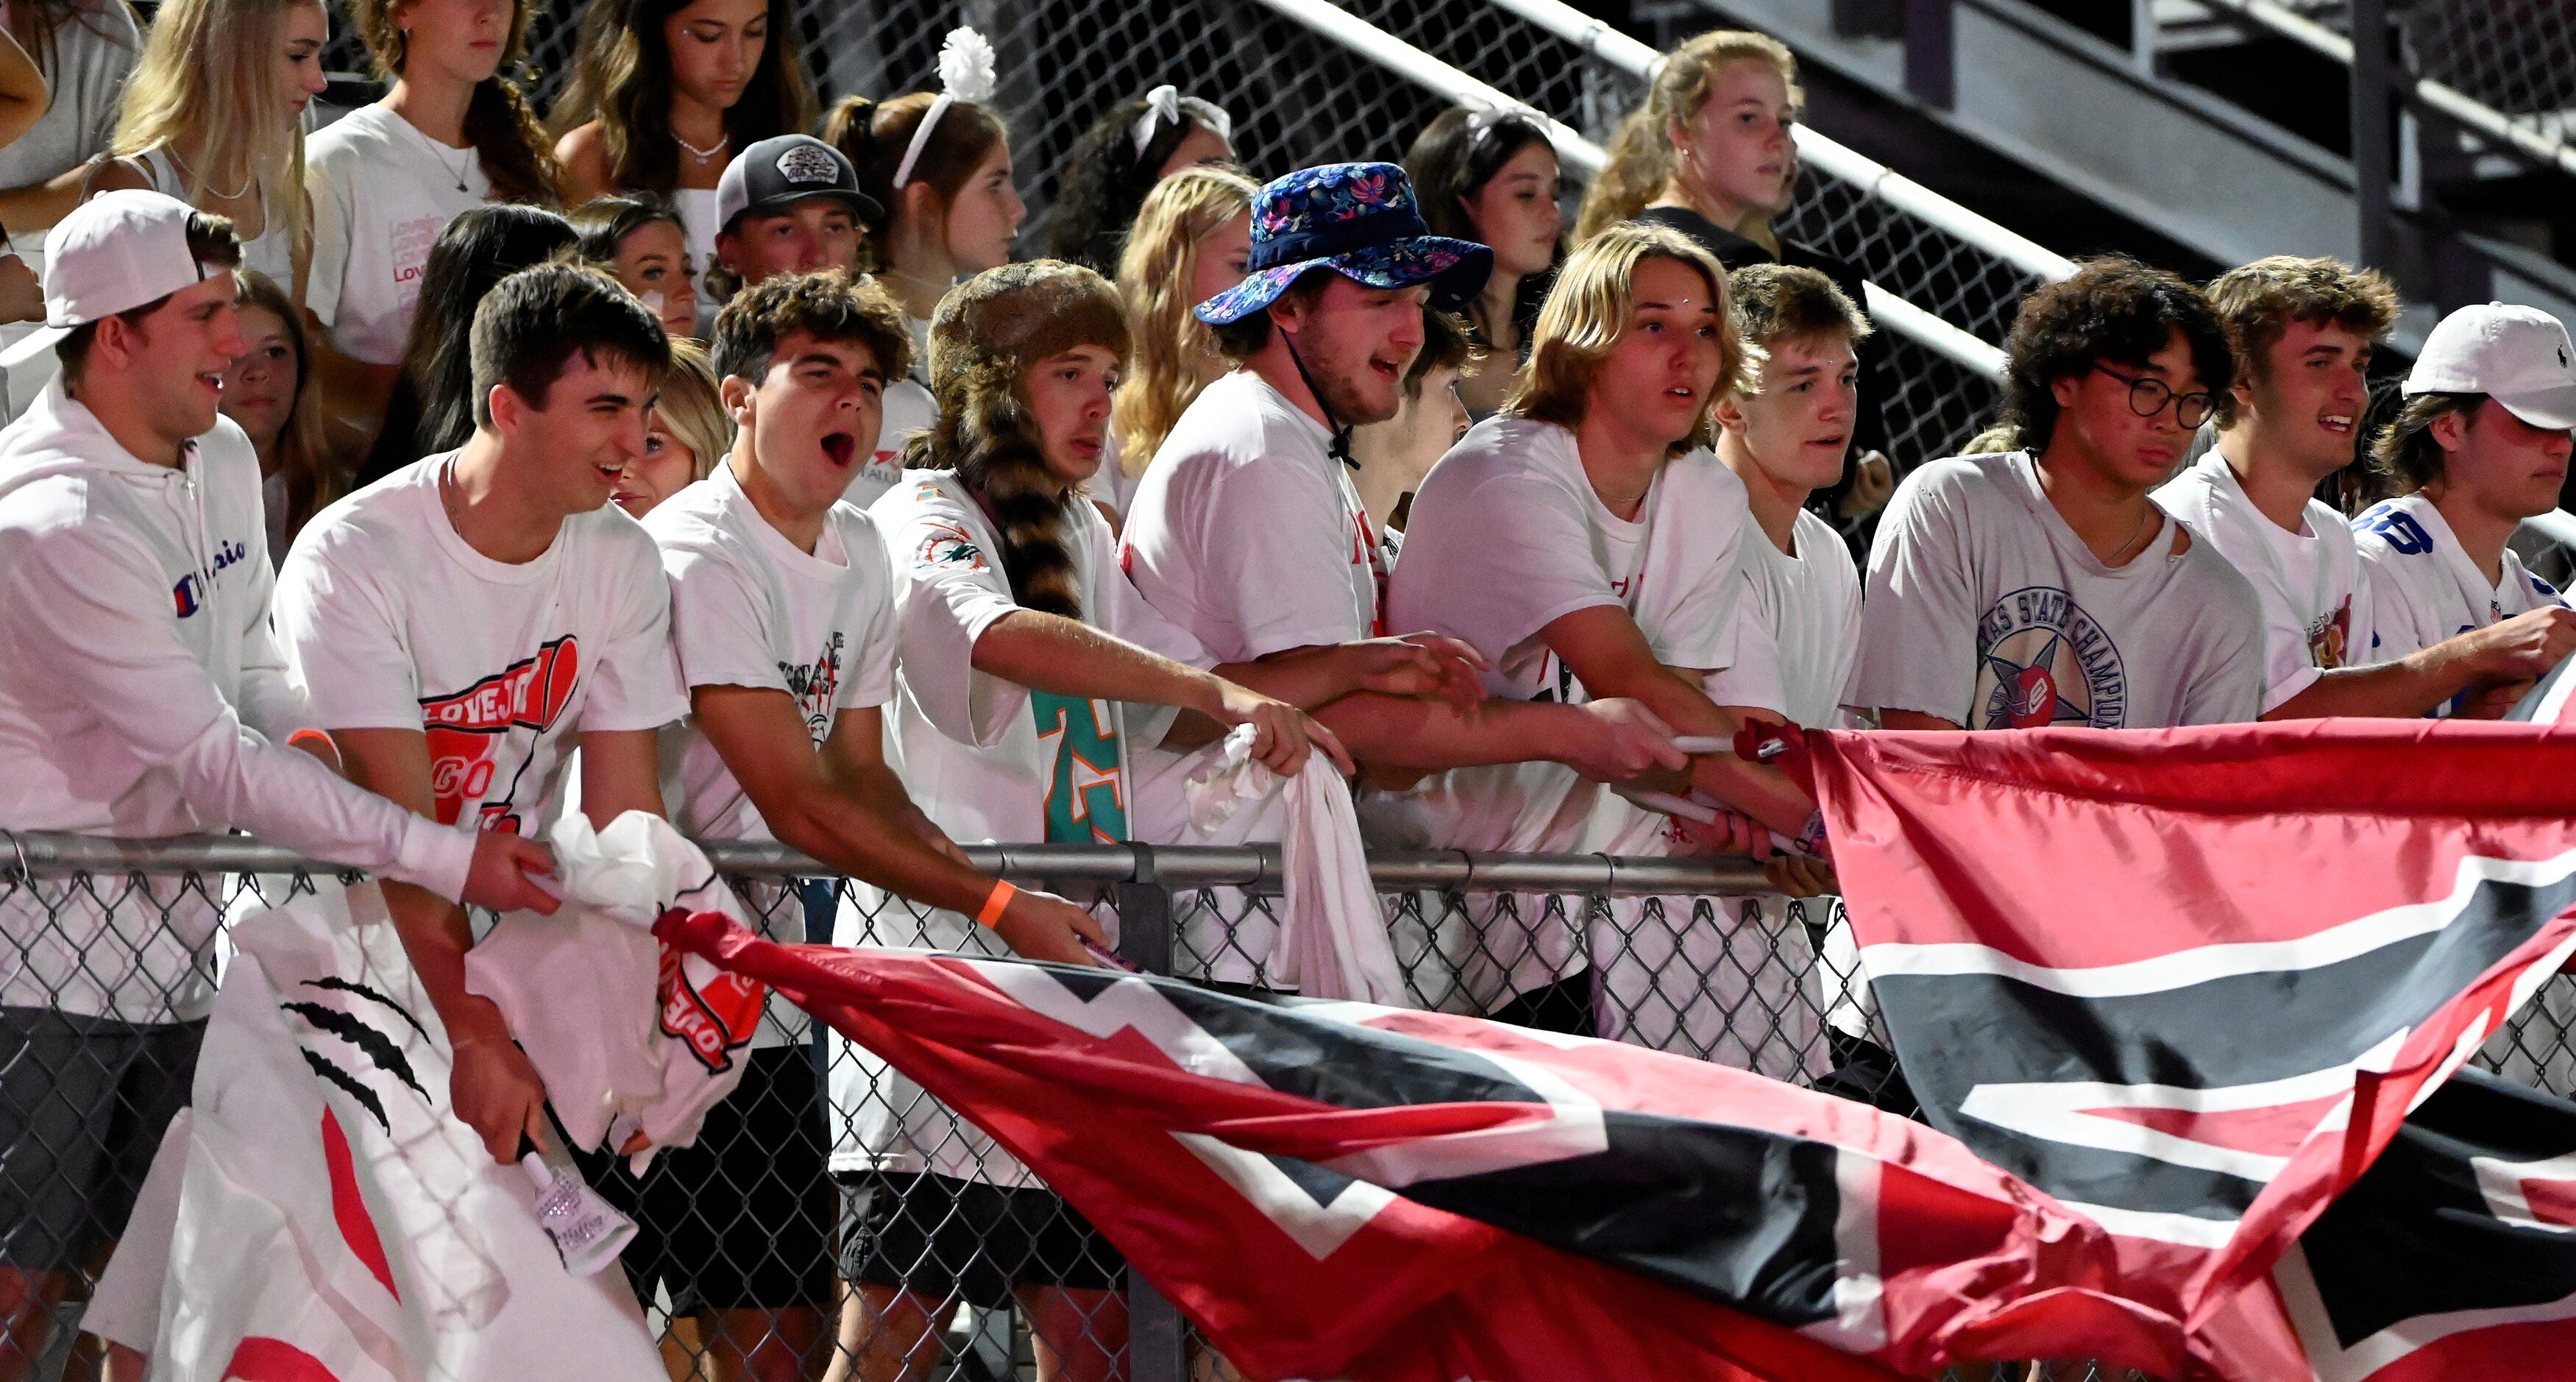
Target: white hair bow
<point>965,74</point>
<point>1163,106</point>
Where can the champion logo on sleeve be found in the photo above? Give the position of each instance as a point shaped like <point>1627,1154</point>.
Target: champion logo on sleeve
<point>189,595</point>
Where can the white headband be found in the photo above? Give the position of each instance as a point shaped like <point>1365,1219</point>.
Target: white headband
<point>1163,106</point>
<point>1481,121</point>
<point>965,74</point>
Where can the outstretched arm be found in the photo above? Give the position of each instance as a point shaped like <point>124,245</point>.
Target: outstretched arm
<point>1048,652</point>
<point>2516,649</point>
<point>845,807</point>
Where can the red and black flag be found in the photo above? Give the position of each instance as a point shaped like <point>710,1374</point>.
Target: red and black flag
<point>2199,984</point>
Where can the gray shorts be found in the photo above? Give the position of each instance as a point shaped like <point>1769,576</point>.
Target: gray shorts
<point>84,1102</point>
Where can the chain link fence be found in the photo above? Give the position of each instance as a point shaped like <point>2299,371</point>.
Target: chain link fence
<point>1297,99</point>
<point>2517,57</point>
<point>833,1221</point>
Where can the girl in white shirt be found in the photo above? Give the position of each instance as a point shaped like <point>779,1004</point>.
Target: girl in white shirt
<point>214,116</point>
<point>665,92</point>
<point>451,134</point>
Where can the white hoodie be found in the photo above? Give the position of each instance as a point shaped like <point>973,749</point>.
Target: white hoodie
<point>142,695</point>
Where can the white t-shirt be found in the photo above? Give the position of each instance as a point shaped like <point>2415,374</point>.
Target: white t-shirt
<point>990,762</point>
<point>2316,616</point>
<point>389,620</point>
<point>1985,609</point>
<point>698,225</point>
<point>986,759</point>
<point>1507,535</point>
<point>2423,586</point>
<point>382,191</point>
<point>1248,534</point>
<point>750,609</point>
<point>1809,604</point>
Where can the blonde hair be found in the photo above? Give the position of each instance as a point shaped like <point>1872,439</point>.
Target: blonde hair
<point>1641,154</point>
<point>690,410</point>
<point>1155,271</point>
<point>1587,312</point>
<point>210,67</point>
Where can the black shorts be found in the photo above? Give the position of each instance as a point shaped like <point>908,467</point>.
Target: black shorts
<point>948,1239</point>
<point>742,1220</point>
<point>84,1102</point>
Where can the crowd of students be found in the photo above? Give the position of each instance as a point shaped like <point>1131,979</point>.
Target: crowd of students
<point>383,508</point>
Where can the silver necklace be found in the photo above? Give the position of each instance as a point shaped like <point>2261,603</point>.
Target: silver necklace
<point>2136,537</point>
<point>461,164</point>
<point>701,155</point>
<point>233,196</point>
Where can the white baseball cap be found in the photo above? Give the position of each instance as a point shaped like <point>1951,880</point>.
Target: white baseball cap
<point>2518,356</point>
<point>115,252</point>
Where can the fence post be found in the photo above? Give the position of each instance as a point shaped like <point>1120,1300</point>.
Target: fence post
<point>2372,158</point>
<point>1154,1348</point>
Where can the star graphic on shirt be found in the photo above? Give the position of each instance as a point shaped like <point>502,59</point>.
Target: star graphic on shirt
<point>2026,694</point>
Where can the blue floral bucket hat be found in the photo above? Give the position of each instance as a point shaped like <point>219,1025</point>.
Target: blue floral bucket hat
<point>1360,221</point>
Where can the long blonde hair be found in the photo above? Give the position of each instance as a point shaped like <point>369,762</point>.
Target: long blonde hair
<point>1155,271</point>
<point>1641,154</point>
<point>210,67</point>
<point>1587,312</point>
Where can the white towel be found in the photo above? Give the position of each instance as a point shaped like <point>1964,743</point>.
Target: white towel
<point>626,1034</point>
<point>1334,942</point>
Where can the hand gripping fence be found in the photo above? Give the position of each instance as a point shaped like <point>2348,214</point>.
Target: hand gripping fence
<point>1685,955</point>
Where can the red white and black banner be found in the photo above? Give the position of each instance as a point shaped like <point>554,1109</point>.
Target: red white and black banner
<point>2195,984</point>
<point>2188,1009</point>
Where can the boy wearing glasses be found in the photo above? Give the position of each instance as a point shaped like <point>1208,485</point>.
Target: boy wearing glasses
<point>2043,587</point>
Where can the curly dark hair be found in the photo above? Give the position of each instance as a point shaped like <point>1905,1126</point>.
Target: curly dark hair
<point>2113,309</point>
<point>1104,185</point>
<point>828,305</point>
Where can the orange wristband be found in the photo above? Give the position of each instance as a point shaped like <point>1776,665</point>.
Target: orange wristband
<point>995,901</point>
<point>298,738</point>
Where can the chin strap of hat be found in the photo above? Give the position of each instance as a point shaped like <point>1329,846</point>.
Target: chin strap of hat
<point>1340,447</point>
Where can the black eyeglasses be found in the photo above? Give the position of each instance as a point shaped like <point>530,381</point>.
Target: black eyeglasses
<point>2148,397</point>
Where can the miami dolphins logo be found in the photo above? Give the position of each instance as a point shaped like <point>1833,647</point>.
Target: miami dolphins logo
<point>2041,661</point>
<point>945,544</point>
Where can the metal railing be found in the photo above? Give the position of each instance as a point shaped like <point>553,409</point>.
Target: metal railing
<point>1684,955</point>
<point>1915,324</point>
<point>2544,141</point>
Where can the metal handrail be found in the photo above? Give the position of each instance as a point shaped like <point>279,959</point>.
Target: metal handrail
<point>1903,318</point>
<point>1814,147</point>
<point>51,854</point>
<point>2450,101</point>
